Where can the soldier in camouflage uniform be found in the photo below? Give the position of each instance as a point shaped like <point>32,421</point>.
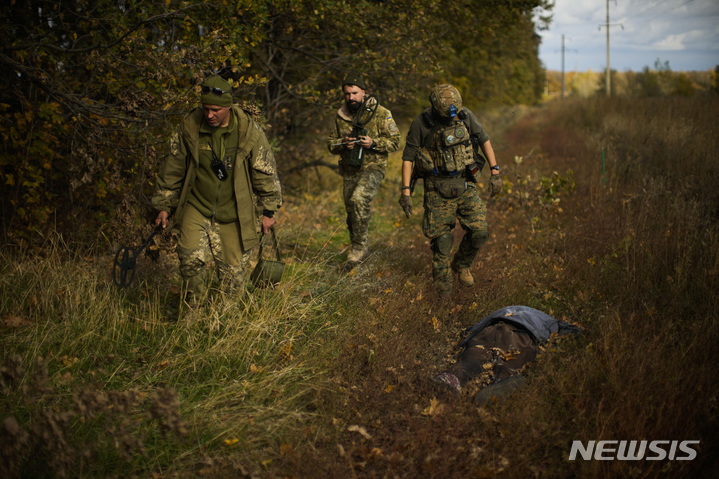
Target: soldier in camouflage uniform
<point>361,181</point>
<point>218,169</point>
<point>447,147</point>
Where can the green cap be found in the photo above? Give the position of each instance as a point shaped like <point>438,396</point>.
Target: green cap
<point>216,91</point>
<point>354,78</point>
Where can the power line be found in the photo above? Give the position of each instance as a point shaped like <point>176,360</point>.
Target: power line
<point>648,9</point>
<point>667,12</point>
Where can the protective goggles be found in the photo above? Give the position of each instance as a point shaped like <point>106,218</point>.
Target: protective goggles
<point>213,90</point>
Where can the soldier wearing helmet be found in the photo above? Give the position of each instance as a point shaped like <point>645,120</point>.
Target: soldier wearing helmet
<point>447,147</point>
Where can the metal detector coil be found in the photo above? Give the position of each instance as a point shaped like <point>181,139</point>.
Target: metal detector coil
<point>124,265</point>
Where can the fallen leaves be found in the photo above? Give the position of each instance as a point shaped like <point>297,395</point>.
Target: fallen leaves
<point>361,430</point>
<point>435,408</point>
<point>435,324</point>
<point>15,321</point>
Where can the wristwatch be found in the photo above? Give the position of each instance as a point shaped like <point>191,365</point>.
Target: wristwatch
<point>495,167</point>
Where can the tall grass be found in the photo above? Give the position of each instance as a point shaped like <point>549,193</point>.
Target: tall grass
<point>328,374</point>
<point>641,255</point>
<point>237,372</point>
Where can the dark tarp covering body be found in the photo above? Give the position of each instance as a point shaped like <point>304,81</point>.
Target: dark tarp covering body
<point>502,342</point>
<point>539,325</point>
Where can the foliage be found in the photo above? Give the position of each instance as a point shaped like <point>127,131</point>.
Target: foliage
<point>492,53</point>
<point>131,380</point>
<point>85,426</point>
<point>93,87</point>
<point>328,375</point>
<point>537,197</point>
<point>656,82</point>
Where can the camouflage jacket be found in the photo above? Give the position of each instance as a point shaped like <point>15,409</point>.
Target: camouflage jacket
<point>381,128</point>
<point>256,183</point>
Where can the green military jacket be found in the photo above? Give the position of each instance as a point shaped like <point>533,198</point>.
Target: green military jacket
<point>255,180</point>
<point>381,128</point>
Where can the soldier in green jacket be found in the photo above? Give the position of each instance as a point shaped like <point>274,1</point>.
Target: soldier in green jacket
<point>447,147</point>
<point>218,172</point>
<point>362,173</point>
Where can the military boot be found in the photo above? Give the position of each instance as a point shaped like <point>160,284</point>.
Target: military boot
<point>465,276</point>
<point>444,288</point>
<point>356,255</point>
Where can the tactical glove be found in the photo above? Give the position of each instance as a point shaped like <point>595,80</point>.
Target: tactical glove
<point>495,185</point>
<point>405,202</point>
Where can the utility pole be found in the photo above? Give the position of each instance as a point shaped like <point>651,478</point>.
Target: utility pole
<point>562,66</point>
<point>609,71</point>
<point>563,51</point>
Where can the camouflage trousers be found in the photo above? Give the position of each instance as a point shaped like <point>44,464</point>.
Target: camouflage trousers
<point>440,217</point>
<point>201,241</point>
<point>359,189</point>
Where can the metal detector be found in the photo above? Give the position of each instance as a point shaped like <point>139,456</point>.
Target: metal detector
<point>123,268</point>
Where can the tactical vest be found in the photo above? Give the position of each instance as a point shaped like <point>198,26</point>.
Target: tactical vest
<point>447,149</point>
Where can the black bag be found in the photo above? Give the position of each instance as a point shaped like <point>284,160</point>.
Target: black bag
<point>451,187</point>
<point>268,272</point>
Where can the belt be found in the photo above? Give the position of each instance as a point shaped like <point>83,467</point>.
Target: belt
<point>437,175</point>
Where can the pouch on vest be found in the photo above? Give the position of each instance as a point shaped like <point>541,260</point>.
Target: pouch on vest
<point>454,135</point>
<point>423,161</point>
<point>452,142</point>
<point>268,272</point>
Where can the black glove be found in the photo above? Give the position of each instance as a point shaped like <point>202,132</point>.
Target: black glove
<point>495,185</point>
<point>405,201</point>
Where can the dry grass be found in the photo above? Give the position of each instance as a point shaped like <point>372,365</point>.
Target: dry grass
<point>328,375</point>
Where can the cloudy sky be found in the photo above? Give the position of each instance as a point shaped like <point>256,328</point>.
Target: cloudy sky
<point>683,32</point>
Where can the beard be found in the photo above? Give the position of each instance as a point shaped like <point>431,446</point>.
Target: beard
<point>353,106</point>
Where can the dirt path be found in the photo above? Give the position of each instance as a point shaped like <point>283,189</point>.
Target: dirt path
<point>389,419</point>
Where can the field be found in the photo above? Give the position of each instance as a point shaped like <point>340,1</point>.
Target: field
<point>609,219</point>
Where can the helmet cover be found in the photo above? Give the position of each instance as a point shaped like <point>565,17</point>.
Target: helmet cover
<point>446,100</point>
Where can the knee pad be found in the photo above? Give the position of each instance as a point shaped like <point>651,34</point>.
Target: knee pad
<point>478,238</point>
<point>443,244</point>
<point>192,262</point>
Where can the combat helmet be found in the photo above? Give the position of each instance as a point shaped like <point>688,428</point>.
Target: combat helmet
<point>446,100</point>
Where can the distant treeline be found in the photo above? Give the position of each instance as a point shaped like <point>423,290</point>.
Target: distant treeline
<point>659,81</point>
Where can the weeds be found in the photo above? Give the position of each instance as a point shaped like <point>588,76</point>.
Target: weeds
<point>327,375</point>
<point>117,367</point>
